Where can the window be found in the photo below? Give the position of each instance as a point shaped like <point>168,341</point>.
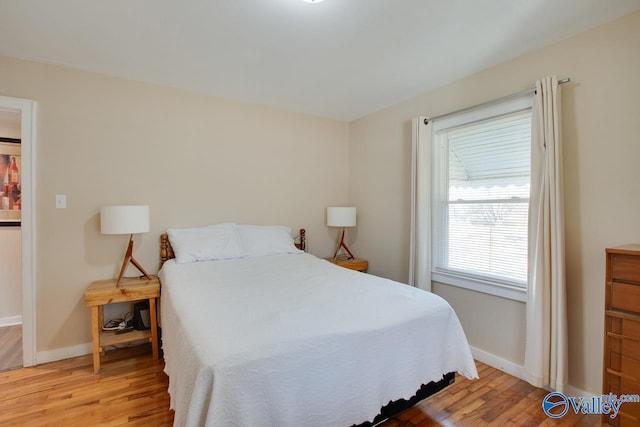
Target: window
<point>480,199</point>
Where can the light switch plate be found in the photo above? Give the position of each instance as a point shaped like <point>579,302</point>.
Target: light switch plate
<point>61,201</point>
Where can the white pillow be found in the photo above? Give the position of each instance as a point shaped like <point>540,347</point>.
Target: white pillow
<point>260,240</point>
<point>220,241</point>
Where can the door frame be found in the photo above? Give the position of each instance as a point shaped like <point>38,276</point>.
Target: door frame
<point>27,110</point>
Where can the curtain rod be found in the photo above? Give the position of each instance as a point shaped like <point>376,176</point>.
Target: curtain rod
<point>491,101</point>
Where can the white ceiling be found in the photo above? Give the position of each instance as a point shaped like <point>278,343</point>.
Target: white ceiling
<point>340,58</point>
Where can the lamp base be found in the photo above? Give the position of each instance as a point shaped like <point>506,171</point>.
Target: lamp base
<point>342,244</point>
<point>128,258</point>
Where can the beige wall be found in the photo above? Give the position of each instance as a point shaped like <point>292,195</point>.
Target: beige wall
<point>9,132</point>
<point>193,159</point>
<point>601,153</point>
<point>11,277</point>
<point>9,124</point>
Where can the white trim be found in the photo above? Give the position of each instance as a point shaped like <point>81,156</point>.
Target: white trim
<point>494,361</point>
<point>27,109</point>
<point>64,353</point>
<point>525,103</point>
<point>10,321</point>
<point>486,287</point>
<point>576,392</point>
<point>517,371</point>
<point>439,166</point>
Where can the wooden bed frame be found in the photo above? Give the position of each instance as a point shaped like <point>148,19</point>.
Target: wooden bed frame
<point>387,411</point>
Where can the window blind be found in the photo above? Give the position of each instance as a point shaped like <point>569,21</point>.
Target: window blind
<point>483,194</point>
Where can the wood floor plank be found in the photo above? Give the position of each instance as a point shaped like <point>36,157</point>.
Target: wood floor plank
<point>131,390</point>
<point>496,399</point>
<point>10,347</point>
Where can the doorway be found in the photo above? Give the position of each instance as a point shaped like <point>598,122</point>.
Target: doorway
<point>17,285</point>
<point>10,236</point>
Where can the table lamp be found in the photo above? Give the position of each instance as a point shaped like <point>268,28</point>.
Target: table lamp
<point>125,220</point>
<point>341,217</point>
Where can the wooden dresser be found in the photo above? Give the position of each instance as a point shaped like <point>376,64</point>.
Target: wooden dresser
<point>621,371</point>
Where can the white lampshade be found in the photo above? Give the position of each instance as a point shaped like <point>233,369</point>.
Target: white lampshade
<point>124,219</point>
<point>341,217</point>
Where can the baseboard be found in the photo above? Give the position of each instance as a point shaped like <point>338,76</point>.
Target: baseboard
<point>576,392</point>
<point>494,361</point>
<point>10,321</point>
<point>63,353</point>
<point>517,371</point>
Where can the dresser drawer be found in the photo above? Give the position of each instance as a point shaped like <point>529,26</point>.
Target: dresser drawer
<point>629,414</point>
<point>625,297</point>
<point>625,268</point>
<point>631,329</point>
<point>628,370</point>
<point>621,385</point>
<point>624,337</point>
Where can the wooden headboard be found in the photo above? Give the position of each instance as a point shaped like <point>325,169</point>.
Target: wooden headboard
<point>166,251</point>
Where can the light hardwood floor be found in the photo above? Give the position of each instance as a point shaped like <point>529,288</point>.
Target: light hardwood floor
<point>10,347</point>
<point>131,390</point>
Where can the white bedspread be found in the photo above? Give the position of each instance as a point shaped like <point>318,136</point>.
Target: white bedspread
<point>292,340</point>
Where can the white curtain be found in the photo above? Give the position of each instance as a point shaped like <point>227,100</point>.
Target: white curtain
<point>545,361</point>
<point>420,237</point>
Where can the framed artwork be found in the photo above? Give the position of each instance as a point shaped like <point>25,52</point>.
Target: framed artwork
<point>10,182</point>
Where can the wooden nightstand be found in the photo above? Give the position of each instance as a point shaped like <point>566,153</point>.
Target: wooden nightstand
<point>102,292</point>
<point>352,264</point>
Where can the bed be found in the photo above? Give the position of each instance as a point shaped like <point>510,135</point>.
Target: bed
<point>287,339</point>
